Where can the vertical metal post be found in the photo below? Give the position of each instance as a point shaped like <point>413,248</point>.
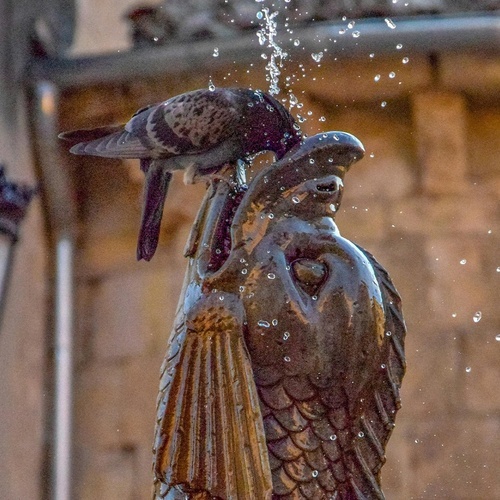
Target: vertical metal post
<point>59,199</point>
<point>62,456</point>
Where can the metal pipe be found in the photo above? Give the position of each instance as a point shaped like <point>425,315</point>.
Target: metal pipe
<point>422,34</point>
<point>63,347</point>
<point>60,208</point>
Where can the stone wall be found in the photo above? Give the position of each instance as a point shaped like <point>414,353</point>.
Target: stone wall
<point>424,201</point>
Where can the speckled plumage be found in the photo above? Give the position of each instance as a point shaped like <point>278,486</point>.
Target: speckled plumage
<point>198,132</point>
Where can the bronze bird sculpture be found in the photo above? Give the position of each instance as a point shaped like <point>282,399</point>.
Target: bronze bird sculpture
<point>282,373</point>
<point>198,132</point>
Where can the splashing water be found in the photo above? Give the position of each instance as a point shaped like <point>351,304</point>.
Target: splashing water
<point>267,35</point>
<point>390,23</point>
<point>317,57</point>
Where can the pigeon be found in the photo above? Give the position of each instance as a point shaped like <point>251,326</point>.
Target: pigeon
<point>199,132</point>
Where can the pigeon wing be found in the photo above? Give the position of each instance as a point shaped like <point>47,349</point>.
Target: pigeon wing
<point>190,123</point>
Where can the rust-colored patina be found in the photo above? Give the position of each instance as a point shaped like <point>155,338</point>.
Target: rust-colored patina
<point>282,373</point>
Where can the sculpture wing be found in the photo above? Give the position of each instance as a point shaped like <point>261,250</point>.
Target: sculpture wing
<point>387,396</point>
<point>209,437</point>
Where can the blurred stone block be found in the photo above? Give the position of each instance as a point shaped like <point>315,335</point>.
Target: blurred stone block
<point>480,372</point>
<point>473,213</point>
<point>476,73</point>
<point>440,133</point>
<point>108,475</point>
<point>457,285</point>
<point>455,458</point>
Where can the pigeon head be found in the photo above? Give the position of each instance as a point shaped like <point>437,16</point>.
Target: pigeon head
<point>288,129</point>
<point>270,126</point>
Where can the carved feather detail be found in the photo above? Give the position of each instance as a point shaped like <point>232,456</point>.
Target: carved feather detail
<point>210,438</point>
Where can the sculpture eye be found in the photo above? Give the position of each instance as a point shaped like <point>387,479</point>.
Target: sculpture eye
<point>309,274</point>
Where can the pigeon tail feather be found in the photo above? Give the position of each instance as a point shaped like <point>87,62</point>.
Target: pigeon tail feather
<point>117,145</point>
<point>155,191</point>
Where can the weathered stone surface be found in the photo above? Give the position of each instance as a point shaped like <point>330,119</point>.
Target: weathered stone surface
<point>356,79</point>
<point>457,284</point>
<point>475,73</point>
<point>109,475</point>
<point>454,457</point>
<point>440,133</point>
<point>473,213</point>
<point>479,372</point>
<point>115,403</point>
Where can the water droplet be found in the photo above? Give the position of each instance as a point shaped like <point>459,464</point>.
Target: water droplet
<point>392,74</point>
<point>372,155</point>
<point>311,161</point>
<point>468,369</point>
<point>271,216</point>
<point>271,276</point>
<point>287,359</point>
<point>295,199</point>
<point>314,297</point>
<point>286,336</point>
<point>477,317</point>
<point>498,269</point>
<point>315,473</point>
<point>263,324</point>
<point>317,57</point>
<point>399,46</point>
<point>388,333</point>
<point>372,55</point>
<point>383,366</point>
<point>417,441</point>
<point>211,85</point>
<point>497,337</point>
<point>322,119</point>
<point>296,42</point>
<point>218,251</point>
<point>463,262</point>
<point>259,15</point>
<point>333,437</point>
<point>221,297</point>
<point>453,315</point>
<point>244,271</point>
<point>405,60</point>
<point>242,260</point>
<point>383,104</point>
<point>390,23</point>
<point>361,434</point>
<point>274,322</point>
<point>241,288</point>
<point>351,24</point>
<point>377,78</point>
<point>356,34</point>
<point>216,52</point>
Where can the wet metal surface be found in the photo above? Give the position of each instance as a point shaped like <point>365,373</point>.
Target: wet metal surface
<point>283,369</point>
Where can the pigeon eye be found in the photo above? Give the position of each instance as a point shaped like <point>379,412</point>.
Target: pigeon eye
<point>329,187</point>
